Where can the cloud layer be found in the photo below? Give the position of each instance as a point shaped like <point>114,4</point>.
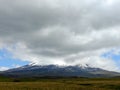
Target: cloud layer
<point>61,31</point>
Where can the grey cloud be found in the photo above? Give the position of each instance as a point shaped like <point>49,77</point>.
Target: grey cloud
<point>60,28</point>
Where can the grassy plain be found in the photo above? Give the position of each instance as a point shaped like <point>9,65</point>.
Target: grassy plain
<point>59,84</point>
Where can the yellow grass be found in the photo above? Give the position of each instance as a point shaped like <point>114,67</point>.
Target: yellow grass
<point>64,84</point>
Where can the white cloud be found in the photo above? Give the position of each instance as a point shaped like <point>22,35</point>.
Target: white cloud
<point>61,31</point>
<point>3,68</point>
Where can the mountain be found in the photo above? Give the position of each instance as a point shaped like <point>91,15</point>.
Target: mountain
<point>58,71</point>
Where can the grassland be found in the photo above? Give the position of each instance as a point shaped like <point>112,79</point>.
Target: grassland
<point>59,84</point>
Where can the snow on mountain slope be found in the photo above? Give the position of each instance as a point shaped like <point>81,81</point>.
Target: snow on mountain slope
<point>33,70</point>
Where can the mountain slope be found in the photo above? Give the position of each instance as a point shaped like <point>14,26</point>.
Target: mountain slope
<point>58,71</point>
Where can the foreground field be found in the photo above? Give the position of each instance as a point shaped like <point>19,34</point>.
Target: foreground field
<point>61,84</point>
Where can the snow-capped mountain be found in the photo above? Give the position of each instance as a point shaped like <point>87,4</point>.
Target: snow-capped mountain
<point>34,70</point>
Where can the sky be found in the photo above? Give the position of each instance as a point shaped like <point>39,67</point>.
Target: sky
<point>63,32</point>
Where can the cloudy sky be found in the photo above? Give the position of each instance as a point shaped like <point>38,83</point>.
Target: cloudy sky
<point>63,32</point>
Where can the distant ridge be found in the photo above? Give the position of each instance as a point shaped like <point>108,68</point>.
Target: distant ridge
<point>33,70</point>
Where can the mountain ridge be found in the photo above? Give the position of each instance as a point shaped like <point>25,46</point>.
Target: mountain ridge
<point>33,70</point>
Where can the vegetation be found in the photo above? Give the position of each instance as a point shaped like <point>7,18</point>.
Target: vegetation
<point>59,83</point>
